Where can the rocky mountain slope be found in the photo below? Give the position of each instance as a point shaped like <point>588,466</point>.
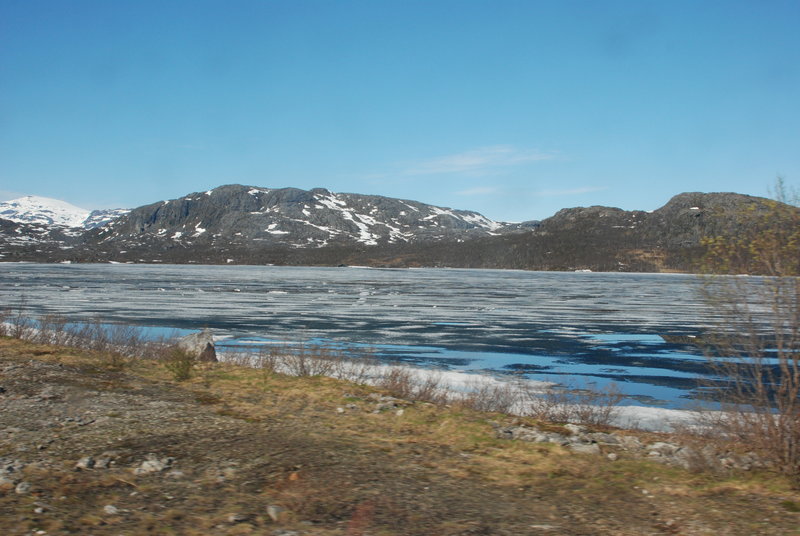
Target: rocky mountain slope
<point>102,217</point>
<point>250,225</point>
<point>236,214</point>
<point>610,239</point>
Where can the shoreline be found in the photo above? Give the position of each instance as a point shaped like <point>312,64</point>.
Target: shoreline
<point>459,384</point>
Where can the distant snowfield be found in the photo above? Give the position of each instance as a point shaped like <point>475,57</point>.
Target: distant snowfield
<point>44,211</point>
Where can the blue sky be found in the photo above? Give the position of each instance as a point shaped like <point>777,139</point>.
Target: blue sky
<point>511,108</point>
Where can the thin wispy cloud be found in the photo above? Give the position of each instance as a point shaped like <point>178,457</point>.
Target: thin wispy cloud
<point>571,191</point>
<point>478,190</point>
<point>478,160</point>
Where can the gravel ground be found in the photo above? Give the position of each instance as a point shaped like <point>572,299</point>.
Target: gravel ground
<point>88,450</point>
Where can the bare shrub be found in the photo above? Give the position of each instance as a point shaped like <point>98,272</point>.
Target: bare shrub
<point>755,346</point>
<point>582,405</point>
<point>20,324</point>
<point>706,442</point>
<point>349,369</point>
<point>89,335</point>
<point>305,360</point>
<point>404,383</point>
<point>502,397</point>
<point>358,369</point>
<point>154,348</point>
<point>242,359</point>
<point>755,353</point>
<point>125,339</point>
<point>266,360</point>
<point>51,329</point>
<point>116,344</point>
<point>430,389</point>
<point>398,381</point>
<point>5,315</point>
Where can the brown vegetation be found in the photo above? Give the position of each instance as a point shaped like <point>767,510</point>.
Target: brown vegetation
<point>235,450</point>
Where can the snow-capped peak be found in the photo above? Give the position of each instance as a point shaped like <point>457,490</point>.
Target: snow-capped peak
<point>43,210</point>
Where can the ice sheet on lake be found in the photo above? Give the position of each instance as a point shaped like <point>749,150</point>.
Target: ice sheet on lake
<point>542,325</point>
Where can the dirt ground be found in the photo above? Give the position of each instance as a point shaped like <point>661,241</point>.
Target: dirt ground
<point>85,449</point>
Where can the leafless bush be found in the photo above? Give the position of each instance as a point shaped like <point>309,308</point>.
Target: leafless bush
<point>20,324</point>
<point>5,314</point>
<point>754,353</point>
<point>755,346</point>
<point>116,343</point>
<point>267,359</point>
<point>582,405</point>
<point>404,383</point>
<point>243,359</point>
<point>304,360</point>
<point>358,369</point>
<point>51,329</point>
<point>430,389</point>
<point>88,335</point>
<point>707,440</point>
<point>502,397</point>
<point>398,381</point>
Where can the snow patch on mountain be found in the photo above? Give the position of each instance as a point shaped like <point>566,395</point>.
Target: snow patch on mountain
<point>43,211</point>
<point>99,218</point>
<point>253,218</point>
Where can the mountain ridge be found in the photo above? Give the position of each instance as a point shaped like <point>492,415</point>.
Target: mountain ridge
<point>318,217</point>
<point>239,224</point>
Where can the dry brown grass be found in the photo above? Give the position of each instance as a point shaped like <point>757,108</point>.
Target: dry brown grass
<point>360,472</point>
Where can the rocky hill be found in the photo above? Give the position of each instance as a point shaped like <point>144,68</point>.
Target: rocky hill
<point>587,238</point>
<point>289,217</point>
<point>238,224</point>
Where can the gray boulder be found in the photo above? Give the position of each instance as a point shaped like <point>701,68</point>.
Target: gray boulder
<point>154,465</point>
<point>200,345</point>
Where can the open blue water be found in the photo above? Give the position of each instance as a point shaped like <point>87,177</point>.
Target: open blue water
<point>563,327</point>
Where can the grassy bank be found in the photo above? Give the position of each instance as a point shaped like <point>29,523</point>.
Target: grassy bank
<point>238,450</point>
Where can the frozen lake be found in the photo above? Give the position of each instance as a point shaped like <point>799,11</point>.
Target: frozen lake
<point>562,327</point>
